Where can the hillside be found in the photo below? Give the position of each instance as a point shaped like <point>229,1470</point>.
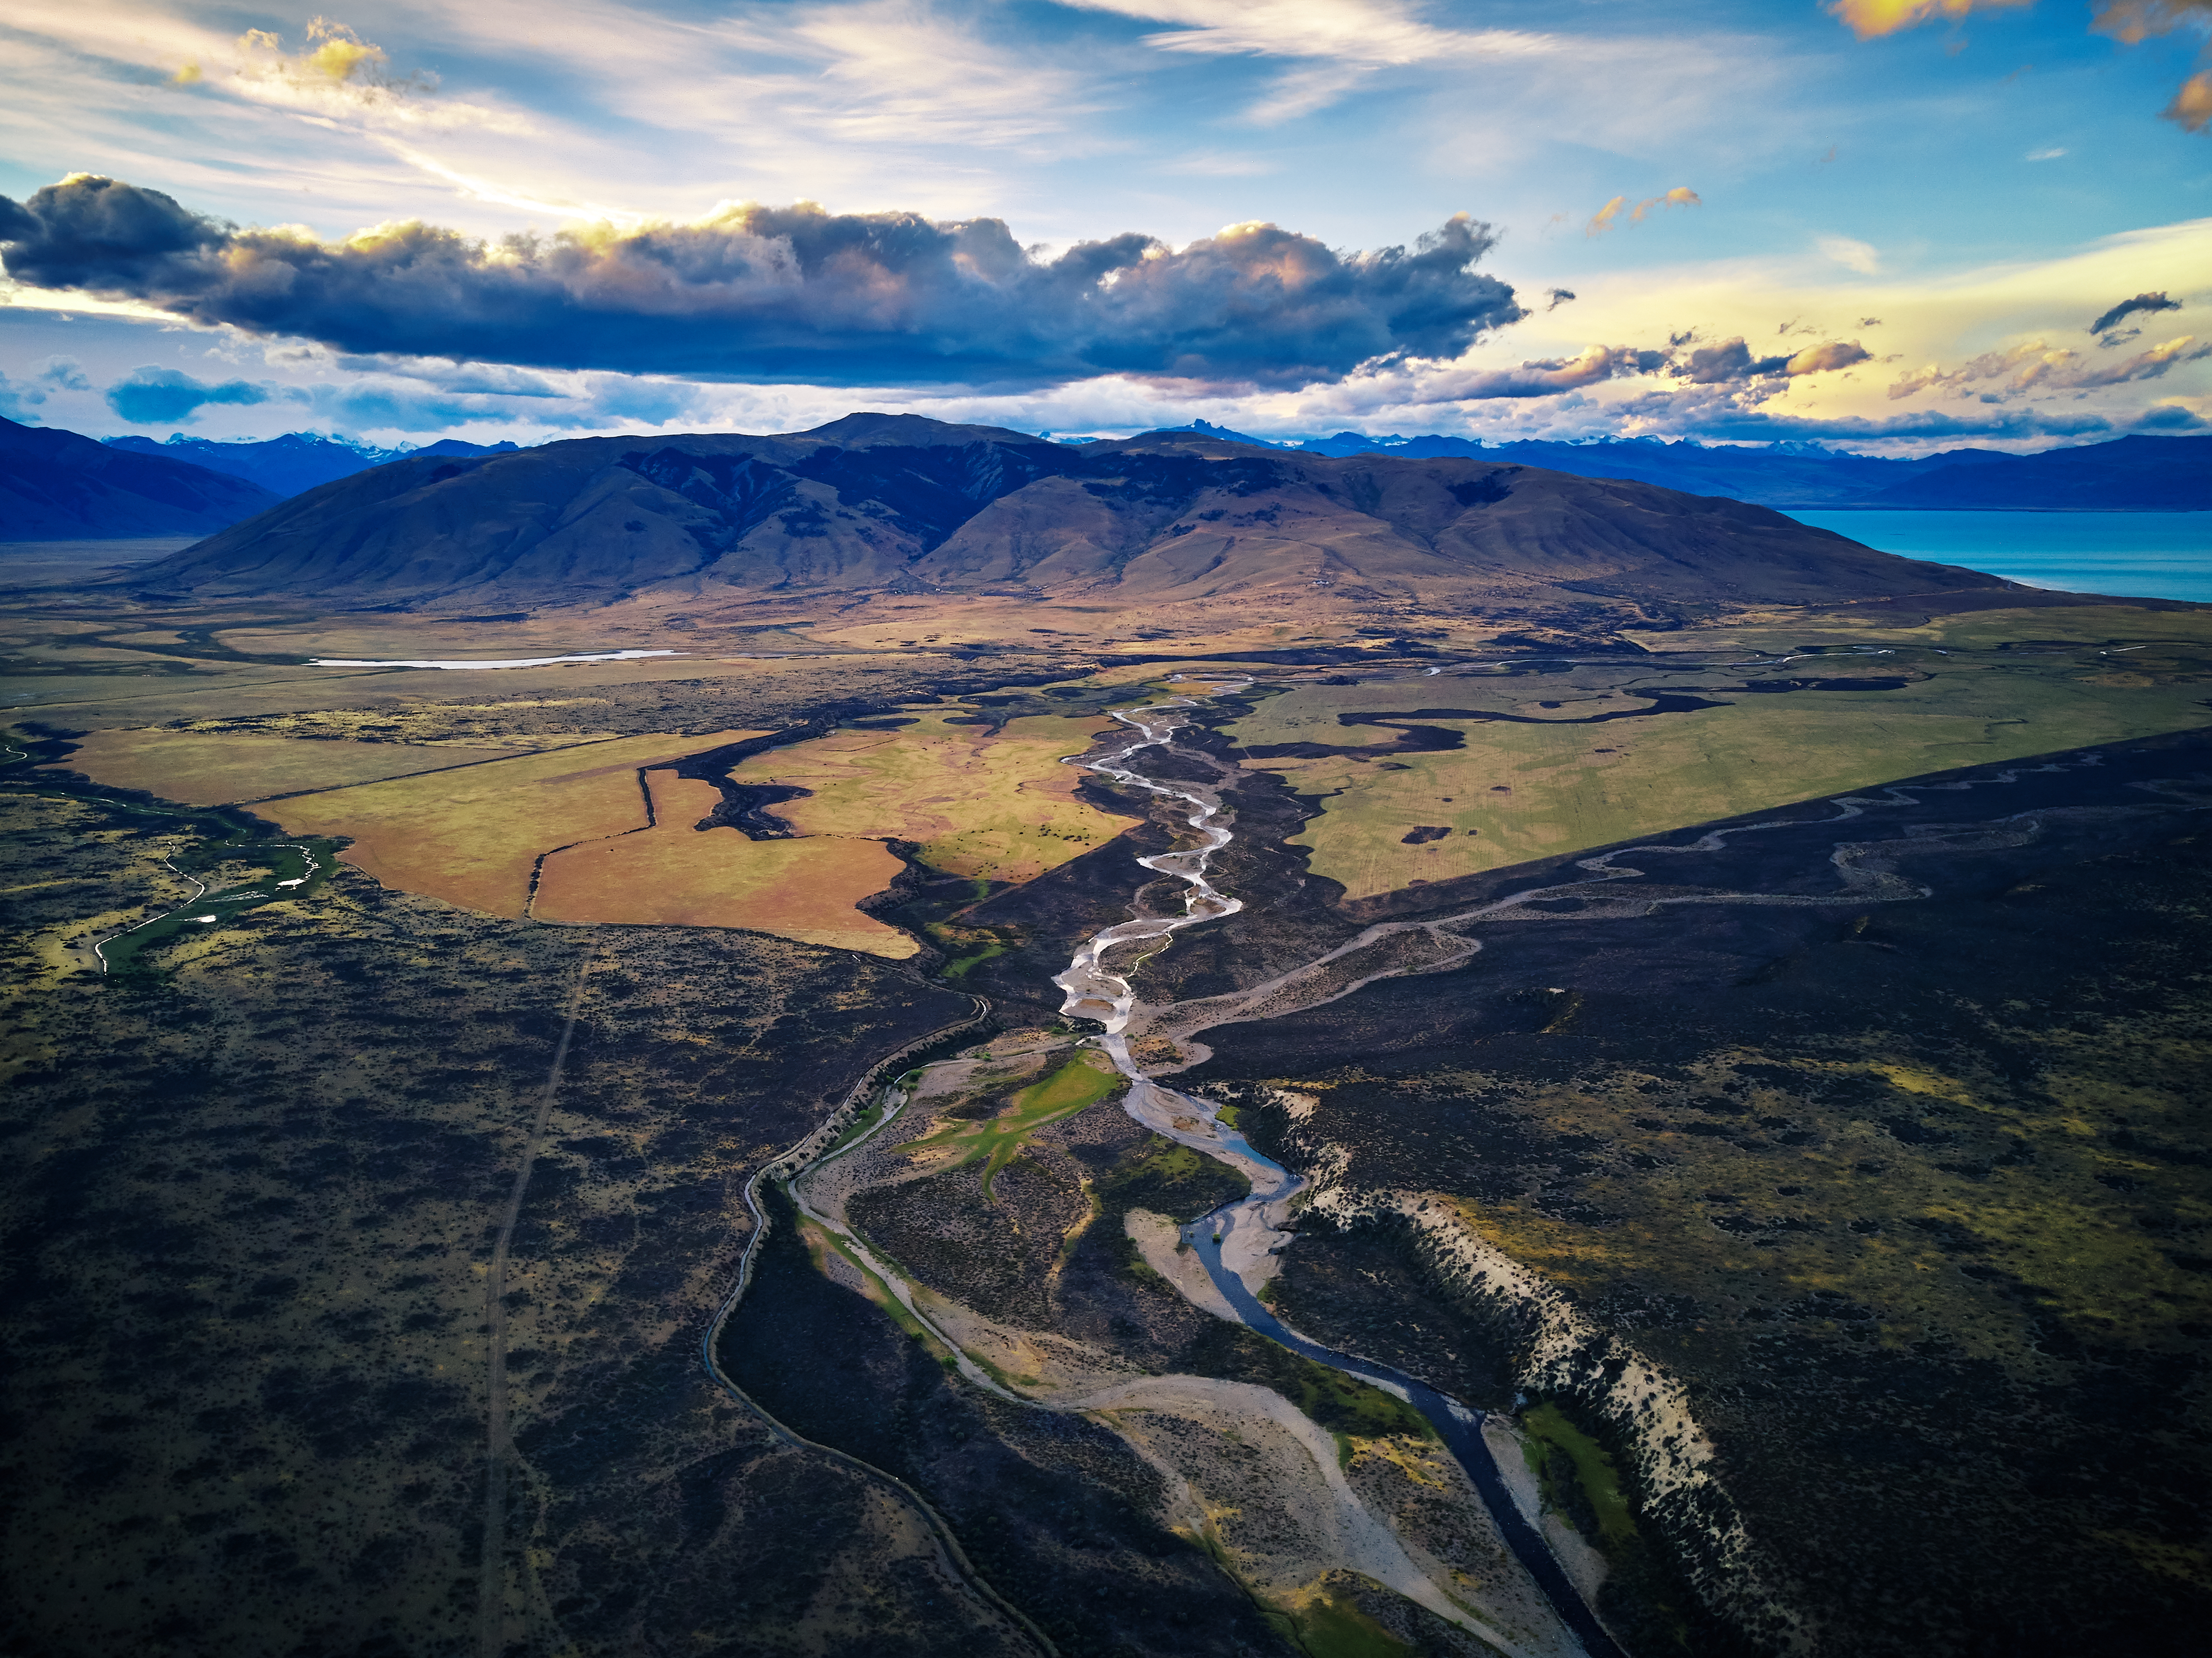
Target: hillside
<point>57,486</point>
<point>875,502</point>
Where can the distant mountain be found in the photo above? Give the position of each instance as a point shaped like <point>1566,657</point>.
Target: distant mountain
<point>57,486</point>
<point>297,461</point>
<point>2171,475</point>
<point>900,503</point>
<point>2134,474</point>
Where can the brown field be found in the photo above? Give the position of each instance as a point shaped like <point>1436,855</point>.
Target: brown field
<point>676,875</point>
<point>998,805</point>
<point>199,769</point>
<point>472,836</point>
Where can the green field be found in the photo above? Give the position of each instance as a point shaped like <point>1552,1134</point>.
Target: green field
<point>1560,783</point>
<point>1083,1080</point>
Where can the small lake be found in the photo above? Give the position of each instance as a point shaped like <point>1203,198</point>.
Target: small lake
<point>2139,555</point>
<point>504,662</point>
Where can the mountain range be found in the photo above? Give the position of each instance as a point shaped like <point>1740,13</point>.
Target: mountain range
<point>57,486</point>
<point>2130,473</point>
<point>895,503</point>
<point>295,463</point>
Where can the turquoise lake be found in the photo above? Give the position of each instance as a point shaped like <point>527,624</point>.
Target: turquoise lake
<point>2141,554</point>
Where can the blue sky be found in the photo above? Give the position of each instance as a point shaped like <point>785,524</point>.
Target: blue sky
<point>1908,211</point>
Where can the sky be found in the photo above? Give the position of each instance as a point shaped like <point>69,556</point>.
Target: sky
<point>1890,226</point>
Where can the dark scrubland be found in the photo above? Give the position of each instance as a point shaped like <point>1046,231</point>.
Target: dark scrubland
<point>1054,1510</point>
<point>1911,1196</point>
<point>249,1197</point>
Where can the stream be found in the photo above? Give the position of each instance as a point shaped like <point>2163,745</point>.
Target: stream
<point>1240,1233</point>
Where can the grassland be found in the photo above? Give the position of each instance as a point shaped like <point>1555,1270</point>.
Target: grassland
<point>207,768</point>
<point>992,804</point>
<point>1083,1081</point>
<point>473,837</point>
<point>1546,780</point>
<point>677,875</point>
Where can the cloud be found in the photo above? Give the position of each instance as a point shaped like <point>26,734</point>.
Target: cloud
<point>1853,254</point>
<point>1870,18</point>
<point>2140,303</point>
<point>1680,195</point>
<point>66,373</point>
<point>1347,40</point>
<point>1603,219</point>
<point>1559,296</point>
<point>2129,21</point>
<point>2044,155</point>
<point>797,294</point>
<point>2192,104</point>
<point>2036,365</point>
<point>1543,380</point>
<point>1731,361</point>
<point>17,400</point>
<point>162,397</point>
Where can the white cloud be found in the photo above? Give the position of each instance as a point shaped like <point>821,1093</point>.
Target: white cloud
<point>1852,254</point>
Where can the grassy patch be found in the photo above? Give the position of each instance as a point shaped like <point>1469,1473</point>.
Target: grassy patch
<point>994,805</point>
<point>1083,1081</point>
<point>1329,1627</point>
<point>1538,778</point>
<point>472,836</point>
<point>1571,1463</point>
<point>676,875</point>
<point>1333,1399</point>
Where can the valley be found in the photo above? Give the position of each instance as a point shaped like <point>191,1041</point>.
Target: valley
<point>1505,1111</point>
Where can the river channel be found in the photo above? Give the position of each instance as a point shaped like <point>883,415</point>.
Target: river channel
<point>1237,1234</point>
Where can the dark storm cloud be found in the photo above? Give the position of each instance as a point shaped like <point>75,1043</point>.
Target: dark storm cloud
<point>162,397</point>
<point>2126,309</point>
<point>789,293</point>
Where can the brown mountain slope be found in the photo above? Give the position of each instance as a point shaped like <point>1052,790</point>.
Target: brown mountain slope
<point>876,501</point>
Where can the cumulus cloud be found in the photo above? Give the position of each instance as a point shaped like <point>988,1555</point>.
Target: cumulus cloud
<point>1559,296</point>
<point>2140,303</point>
<point>1731,361</point>
<point>793,294</point>
<point>162,397</point>
<point>2037,365</point>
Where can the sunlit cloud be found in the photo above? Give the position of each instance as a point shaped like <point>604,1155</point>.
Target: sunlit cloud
<point>795,294</point>
<point>2037,365</point>
<point>1871,18</point>
<point>1604,218</point>
<point>2129,22</point>
<point>332,73</point>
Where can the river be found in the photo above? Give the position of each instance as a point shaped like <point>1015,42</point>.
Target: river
<point>1241,1232</point>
